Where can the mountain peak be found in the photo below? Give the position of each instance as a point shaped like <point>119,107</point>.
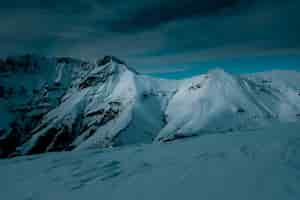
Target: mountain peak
<point>218,72</point>
<point>108,59</point>
<point>220,75</point>
<point>115,62</point>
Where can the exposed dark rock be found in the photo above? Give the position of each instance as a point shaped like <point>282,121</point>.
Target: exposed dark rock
<point>164,119</point>
<point>24,63</point>
<point>55,138</point>
<point>22,109</point>
<point>108,59</point>
<point>84,64</point>
<point>9,143</point>
<point>145,95</point>
<point>64,60</point>
<point>23,91</point>
<point>57,84</point>
<point>90,81</point>
<point>2,131</point>
<point>70,147</point>
<point>240,110</point>
<point>35,91</point>
<point>18,133</point>
<point>67,60</point>
<point>61,140</point>
<point>196,86</point>
<point>39,128</point>
<point>90,133</point>
<point>43,142</point>
<point>114,103</point>
<point>264,90</point>
<point>10,91</point>
<point>98,112</point>
<point>2,91</point>
<point>93,80</point>
<point>179,136</point>
<point>2,66</point>
<point>108,116</point>
<point>266,81</point>
<point>10,64</point>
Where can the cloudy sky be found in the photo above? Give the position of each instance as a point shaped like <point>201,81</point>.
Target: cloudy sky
<point>157,36</point>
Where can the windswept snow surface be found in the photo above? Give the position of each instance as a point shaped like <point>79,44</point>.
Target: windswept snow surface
<point>258,164</point>
<point>75,105</point>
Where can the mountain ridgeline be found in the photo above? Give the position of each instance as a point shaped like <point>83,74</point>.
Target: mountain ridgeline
<point>57,104</point>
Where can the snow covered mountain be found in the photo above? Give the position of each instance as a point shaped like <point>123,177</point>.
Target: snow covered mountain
<point>54,104</point>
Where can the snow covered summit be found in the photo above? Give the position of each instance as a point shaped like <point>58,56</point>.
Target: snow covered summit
<point>68,104</point>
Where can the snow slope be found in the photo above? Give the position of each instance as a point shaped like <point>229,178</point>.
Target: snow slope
<point>219,101</point>
<point>256,164</point>
<point>98,105</point>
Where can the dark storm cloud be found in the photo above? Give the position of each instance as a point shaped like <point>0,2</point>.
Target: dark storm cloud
<point>134,15</point>
<point>275,25</point>
<point>77,6</point>
<point>164,11</point>
<point>158,32</point>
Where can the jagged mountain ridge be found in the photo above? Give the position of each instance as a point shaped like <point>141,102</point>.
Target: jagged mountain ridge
<point>77,105</point>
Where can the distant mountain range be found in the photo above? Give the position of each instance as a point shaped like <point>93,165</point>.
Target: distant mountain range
<point>57,104</point>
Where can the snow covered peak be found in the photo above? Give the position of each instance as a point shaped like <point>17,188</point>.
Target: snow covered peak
<point>115,63</point>
<point>108,71</point>
<point>218,72</point>
<point>109,59</point>
<point>220,75</point>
